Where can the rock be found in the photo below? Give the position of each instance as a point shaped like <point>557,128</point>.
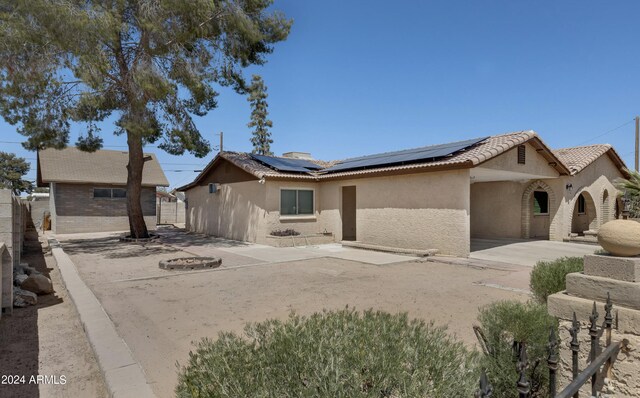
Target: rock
<point>19,278</point>
<point>620,237</point>
<point>38,284</point>
<point>23,298</point>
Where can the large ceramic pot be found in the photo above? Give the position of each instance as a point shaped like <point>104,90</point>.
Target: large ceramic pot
<point>620,237</point>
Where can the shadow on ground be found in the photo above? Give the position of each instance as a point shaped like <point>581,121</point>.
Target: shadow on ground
<point>19,340</point>
<point>111,247</point>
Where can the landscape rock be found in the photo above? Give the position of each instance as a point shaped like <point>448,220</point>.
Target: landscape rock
<point>38,284</point>
<point>18,279</point>
<point>23,298</point>
<point>620,237</point>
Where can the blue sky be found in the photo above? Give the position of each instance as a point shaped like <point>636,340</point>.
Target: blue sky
<point>358,77</point>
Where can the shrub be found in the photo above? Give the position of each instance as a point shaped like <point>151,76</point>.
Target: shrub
<point>504,323</point>
<point>548,277</point>
<point>285,232</point>
<point>332,354</point>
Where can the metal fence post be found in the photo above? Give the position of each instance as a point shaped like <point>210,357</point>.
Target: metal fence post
<point>486,389</point>
<point>524,387</point>
<point>608,322</point>
<point>575,348</point>
<point>593,332</point>
<point>552,361</point>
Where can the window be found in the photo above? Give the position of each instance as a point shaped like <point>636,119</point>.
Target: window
<point>101,192</point>
<point>118,193</point>
<point>581,205</point>
<point>108,193</point>
<point>213,188</point>
<point>522,153</point>
<point>296,202</point>
<point>540,203</point>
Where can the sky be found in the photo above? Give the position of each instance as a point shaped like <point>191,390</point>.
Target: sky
<point>360,77</point>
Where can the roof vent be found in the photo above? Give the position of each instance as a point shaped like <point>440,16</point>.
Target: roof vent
<point>297,155</point>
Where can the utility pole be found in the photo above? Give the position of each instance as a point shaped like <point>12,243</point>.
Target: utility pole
<point>637,139</point>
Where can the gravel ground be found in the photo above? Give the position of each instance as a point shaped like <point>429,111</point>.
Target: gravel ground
<point>159,316</point>
<point>48,339</point>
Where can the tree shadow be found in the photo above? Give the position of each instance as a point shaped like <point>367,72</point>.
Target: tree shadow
<point>112,247</point>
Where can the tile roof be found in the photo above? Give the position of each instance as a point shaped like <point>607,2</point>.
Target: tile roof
<point>577,158</point>
<point>472,156</point>
<point>72,165</point>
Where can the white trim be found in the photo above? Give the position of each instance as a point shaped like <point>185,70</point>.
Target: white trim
<point>301,217</point>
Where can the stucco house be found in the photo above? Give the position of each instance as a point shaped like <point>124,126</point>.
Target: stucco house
<point>438,197</point>
<point>88,190</point>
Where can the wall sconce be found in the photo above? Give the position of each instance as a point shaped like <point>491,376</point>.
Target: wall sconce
<point>569,187</point>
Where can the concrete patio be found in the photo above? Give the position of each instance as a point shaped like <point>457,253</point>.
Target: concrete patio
<point>526,252</point>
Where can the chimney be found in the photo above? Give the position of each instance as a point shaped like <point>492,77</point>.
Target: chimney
<point>297,155</point>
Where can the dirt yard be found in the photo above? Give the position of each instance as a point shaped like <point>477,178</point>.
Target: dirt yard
<point>160,313</point>
<point>47,339</point>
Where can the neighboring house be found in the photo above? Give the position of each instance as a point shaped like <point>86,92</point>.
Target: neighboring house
<point>437,197</point>
<point>88,190</point>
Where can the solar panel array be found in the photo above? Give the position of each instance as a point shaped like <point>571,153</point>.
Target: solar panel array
<point>287,164</point>
<point>432,152</point>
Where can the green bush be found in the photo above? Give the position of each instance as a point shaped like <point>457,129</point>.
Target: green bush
<point>548,277</point>
<point>332,354</point>
<point>504,323</point>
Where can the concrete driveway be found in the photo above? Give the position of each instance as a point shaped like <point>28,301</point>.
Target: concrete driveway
<point>526,252</point>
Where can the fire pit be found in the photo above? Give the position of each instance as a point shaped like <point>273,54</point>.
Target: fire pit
<point>191,263</point>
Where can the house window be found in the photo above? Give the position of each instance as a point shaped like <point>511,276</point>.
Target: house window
<point>540,203</point>
<point>296,202</point>
<point>118,193</point>
<point>522,153</point>
<point>115,193</point>
<point>582,205</point>
<point>213,188</point>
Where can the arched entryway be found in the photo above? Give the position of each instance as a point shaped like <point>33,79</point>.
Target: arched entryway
<point>584,216</point>
<point>538,206</point>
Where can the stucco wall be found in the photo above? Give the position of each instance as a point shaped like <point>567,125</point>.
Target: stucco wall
<point>534,163</point>
<point>74,209</point>
<point>235,211</point>
<point>418,211</point>
<point>497,207</point>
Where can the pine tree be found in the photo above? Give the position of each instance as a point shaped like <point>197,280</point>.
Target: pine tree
<point>151,64</point>
<point>12,171</point>
<point>261,139</point>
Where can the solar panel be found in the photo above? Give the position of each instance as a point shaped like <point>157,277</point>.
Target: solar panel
<point>286,164</point>
<point>403,157</point>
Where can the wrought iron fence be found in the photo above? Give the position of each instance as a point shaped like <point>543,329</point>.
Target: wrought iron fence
<point>579,379</point>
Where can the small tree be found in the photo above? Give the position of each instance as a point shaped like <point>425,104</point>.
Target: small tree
<point>261,139</point>
<point>12,169</point>
<point>150,63</point>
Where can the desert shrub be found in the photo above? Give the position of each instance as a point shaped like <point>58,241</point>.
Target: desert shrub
<point>332,354</point>
<point>548,277</point>
<point>285,232</point>
<point>507,322</point>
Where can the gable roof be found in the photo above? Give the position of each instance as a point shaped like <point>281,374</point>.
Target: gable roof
<point>71,165</point>
<point>579,157</point>
<point>470,156</point>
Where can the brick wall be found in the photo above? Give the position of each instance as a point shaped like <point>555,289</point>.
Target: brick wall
<point>74,209</point>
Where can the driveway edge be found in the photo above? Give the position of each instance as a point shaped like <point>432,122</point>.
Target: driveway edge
<point>123,375</point>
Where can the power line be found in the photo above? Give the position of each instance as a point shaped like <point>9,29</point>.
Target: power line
<point>607,132</point>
